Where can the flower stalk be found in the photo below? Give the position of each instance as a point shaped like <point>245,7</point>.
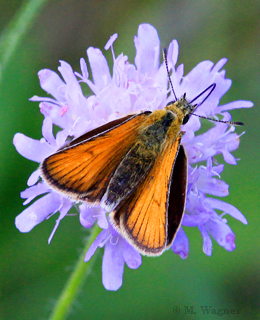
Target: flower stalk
<point>75,281</point>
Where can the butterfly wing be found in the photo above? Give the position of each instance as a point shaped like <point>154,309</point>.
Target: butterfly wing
<point>105,127</point>
<point>177,195</point>
<point>144,217</point>
<point>82,171</point>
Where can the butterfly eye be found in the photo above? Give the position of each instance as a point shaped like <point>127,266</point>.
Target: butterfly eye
<point>186,119</point>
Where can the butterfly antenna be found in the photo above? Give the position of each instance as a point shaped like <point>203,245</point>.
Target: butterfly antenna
<point>210,88</point>
<point>168,72</point>
<point>235,123</point>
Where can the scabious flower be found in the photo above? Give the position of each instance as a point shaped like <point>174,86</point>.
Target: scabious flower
<point>131,88</point>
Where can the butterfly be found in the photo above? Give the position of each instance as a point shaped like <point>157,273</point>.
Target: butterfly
<point>135,167</point>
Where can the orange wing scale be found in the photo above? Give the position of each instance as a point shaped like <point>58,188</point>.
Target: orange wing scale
<point>83,171</point>
<point>142,218</point>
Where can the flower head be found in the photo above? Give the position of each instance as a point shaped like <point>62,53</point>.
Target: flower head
<point>130,88</point>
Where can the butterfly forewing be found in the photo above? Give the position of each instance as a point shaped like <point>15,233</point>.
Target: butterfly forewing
<point>83,169</point>
<point>105,127</point>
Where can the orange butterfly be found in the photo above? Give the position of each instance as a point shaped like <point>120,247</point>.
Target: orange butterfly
<point>136,168</point>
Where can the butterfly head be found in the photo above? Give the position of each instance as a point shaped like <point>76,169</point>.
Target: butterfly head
<point>182,107</point>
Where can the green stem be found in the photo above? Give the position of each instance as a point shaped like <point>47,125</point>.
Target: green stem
<point>75,281</point>
<point>16,29</point>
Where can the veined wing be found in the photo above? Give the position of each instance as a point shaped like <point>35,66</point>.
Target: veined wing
<point>82,171</point>
<point>144,217</point>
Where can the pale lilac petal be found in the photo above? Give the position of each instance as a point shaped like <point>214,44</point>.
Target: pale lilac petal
<point>100,215</point>
<point>226,208</point>
<point>37,212</point>
<point>34,177</point>
<point>99,68</point>
<point>67,73</point>
<point>99,239</point>
<point>172,54</point>
<point>61,138</point>
<point>222,233</point>
<point>83,68</point>
<point>235,105</point>
<point>207,242</point>
<point>45,99</point>
<point>218,169</point>
<point>212,186</point>
<point>131,256</point>
<point>102,220</point>
<point>180,244</point>
<point>112,267</point>
<point>54,112</point>
<point>86,217</point>
<point>219,65</point>
<point>34,191</point>
<point>195,220</point>
<point>47,131</point>
<point>147,45</point>
<point>51,83</point>
<point>64,209</point>
<point>35,150</point>
<point>228,157</point>
<point>231,141</point>
<point>180,71</point>
<point>203,72</point>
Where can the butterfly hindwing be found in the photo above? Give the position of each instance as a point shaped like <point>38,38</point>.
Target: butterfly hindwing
<point>143,216</point>
<point>177,195</point>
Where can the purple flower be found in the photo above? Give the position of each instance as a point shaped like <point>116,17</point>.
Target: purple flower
<point>126,89</point>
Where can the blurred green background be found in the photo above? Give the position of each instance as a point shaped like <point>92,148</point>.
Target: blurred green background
<point>32,273</point>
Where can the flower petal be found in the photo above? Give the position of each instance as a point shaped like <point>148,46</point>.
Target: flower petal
<point>35,150</point>
<point>180,244</point>
<point>99,68</point>
<point>37,212</point>
<point>235,105</point>
<point>227,208</point>
<point>86,216</point>
<point>207,242</point>
<point>67,73</point>
<point>47,131</point>
<point>172,54</point>
<point>112,267</point>
<point>51,83</point>
<point>211,185</point>
<point>34,177</point>
<point>64,209</point>
<point>131,256</point>
<point>96,243</point>
<point>147,45</point>
<point>34,191</point>
<point>84,69</point>
<point>222,233</point>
